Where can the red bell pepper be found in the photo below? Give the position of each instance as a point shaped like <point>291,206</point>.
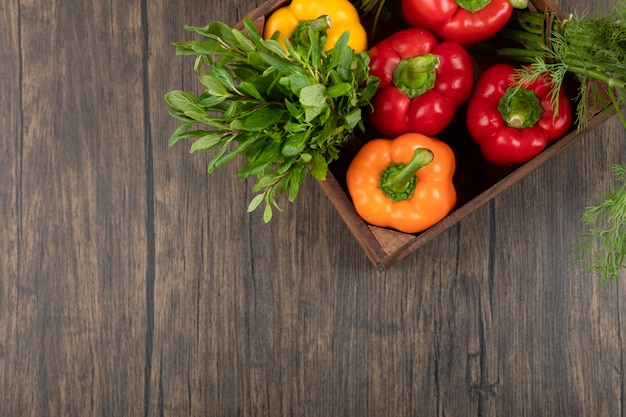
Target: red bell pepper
<point>464,21</point>
<point>513,123</point>
<point>422,82</point>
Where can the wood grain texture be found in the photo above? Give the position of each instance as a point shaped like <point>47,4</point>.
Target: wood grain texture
<point>134,284</point>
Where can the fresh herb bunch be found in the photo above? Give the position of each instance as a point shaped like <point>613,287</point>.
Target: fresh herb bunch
<point>603,247</point>
<point>287,112</point>
<point>593,47</point>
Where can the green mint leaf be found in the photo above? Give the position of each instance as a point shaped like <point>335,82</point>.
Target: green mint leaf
<point>271,196</point>
<point>245,43</point>
<point>255,202</point>
<point>297,177</point>
<point>177,114</point>
<point>181,100</point>
<point>179,133</point>
<point>344,64</point>
<point>361,65</point>
<point>319,166</point>
<point>327,132</point>
<point>286,166</point>
<point>366,94</point>
<point>316,48</point>
<point>313,98</point>
<point>267,213</point>
<point>275,48</point>
<point>199,115</point>
<point>252,31</point>
<point>295,111</point>
<point>294,127</point>
<point>206,142</point>
<point>211,101</point>
<point>295,143</point>
<point>225,77</point>
<point>198,48</point>
<point>230,113</point>
<point>353,118</point>
<point>296,82</point>
<point>269,152</point>
<point>250,89</point>
<point>294,53</point>
<point>226,158</point>
<point>262,118</point>
<point>217,31</point>
<point>217,156</point>
<point>262,183</point>
<point>213,85</point>
<point>339,51</point>
<point>256,63</point>
<point>280,64</point>
<point>338,90</point>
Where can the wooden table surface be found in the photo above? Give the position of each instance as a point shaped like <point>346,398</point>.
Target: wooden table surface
<point>134,284</point>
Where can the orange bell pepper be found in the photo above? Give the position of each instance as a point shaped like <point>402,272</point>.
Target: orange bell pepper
<point>403,183</point>
<point>343,17</point>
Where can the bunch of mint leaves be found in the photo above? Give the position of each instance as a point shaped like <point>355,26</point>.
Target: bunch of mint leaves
<point>287,110</point>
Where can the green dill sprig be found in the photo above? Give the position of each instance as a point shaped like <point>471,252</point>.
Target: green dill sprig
<point>287,112</point>
<point>593,47</point>
<point>603,247</point>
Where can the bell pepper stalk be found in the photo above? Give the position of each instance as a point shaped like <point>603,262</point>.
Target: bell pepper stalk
<point>467,22</point>
<point>422,82</point>
<point>342,14</point>
<point>403,183</point>
<point>513,123</point>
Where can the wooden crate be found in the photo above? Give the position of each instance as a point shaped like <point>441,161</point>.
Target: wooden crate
<point>477,182</point>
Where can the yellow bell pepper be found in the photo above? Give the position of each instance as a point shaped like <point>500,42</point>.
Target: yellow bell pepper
<point>343,16</point>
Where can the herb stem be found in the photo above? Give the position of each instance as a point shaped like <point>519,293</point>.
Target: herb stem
<point>529,21</point>
<point>614,100</point>
<point>527,39</point>
<point>583,69</point>
<point>535,48</point>
<point>517,54</point>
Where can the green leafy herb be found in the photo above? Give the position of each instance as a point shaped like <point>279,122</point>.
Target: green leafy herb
<point>603,246</point>
<point>287,113</point>
<point>593,47</point>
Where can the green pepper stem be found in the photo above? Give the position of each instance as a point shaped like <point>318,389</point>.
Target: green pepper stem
<point>398,181</point>
<point>416,75</point>
<point>473,5</point>
<point>519,4</point>
<point>520,108</point>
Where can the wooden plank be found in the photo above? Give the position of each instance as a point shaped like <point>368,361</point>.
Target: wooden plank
<point>83,240</point>
<point>12,400</point>
<point>204,247</point>
<point>561,330</point>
